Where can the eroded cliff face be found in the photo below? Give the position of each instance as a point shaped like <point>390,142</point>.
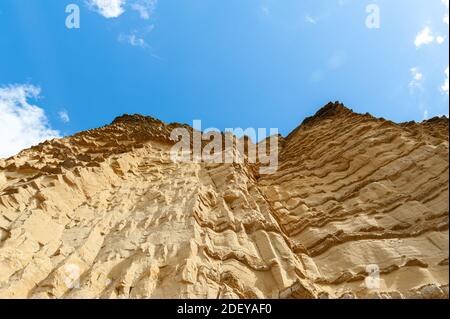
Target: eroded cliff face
<point>109,204</point>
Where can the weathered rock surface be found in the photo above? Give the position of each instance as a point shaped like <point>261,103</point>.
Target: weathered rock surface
<point>109,204</point>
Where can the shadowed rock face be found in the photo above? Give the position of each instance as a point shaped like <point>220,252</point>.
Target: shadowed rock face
<point>352,193</point>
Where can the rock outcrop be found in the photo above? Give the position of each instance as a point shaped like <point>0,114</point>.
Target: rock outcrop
<point>358,208</point>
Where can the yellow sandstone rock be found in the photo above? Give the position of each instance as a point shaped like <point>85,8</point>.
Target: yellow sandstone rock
<point>358,208</point>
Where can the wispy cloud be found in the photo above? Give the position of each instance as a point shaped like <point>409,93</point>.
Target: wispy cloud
<point>21,123</point>
<point>107,8</point>
<point>446,3</point>
<point>416,81</point>
<point>444,87</point>
<point>133,39</point>
<point>64,116</point>
<point>115,8</point>
<point>310,19</point>
<point>136,38</point>
<point>145,8</point>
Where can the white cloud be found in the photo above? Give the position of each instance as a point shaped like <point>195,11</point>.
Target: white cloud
<point>21,124</point>
<point>424,37</point>
<point>310,19</point>
<point>107,8</point>
<point>64,116</point>
<point>425,114</point>
<point>417,79</point>
<point>440,39</point>
<point>144,7</point>
<point>115,8</point>
<point>445,3</point>
<point>444,87</point>
<point>133,39</point>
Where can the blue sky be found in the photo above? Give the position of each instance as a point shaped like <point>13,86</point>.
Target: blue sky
<point>233,63</point>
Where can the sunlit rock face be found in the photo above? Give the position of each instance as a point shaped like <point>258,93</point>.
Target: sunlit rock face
<point>358,208</point>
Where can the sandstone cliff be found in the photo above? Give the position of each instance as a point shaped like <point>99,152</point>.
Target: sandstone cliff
<point>352,192</point>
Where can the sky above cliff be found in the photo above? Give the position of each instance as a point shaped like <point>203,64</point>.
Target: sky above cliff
<point>234,63</point>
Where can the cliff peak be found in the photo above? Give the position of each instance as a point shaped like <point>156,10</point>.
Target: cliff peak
<point>329,110</point>
<point>136,119</point>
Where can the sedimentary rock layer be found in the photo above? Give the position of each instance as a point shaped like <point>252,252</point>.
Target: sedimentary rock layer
<point>106,213</point>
